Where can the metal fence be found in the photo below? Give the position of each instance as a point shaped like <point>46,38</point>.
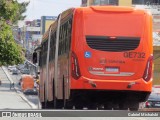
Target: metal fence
<point>32,67</point>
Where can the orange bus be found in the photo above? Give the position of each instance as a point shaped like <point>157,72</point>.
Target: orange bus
<point>97,56</point>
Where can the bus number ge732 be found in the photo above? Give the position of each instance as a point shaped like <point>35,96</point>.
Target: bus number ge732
<point>134,54</point>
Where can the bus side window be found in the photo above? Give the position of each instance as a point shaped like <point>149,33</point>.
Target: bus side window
<point>34,57</point>
<point>40,60</point>
<point>69,35</point>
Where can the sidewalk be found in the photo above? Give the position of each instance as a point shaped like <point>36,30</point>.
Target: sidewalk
<point>9,98</point>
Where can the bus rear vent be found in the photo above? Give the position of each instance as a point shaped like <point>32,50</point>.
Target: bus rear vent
<point>112,43</point>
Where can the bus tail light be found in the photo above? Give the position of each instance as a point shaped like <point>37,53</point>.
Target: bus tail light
<point>75,67</point>
<point>148,70</point>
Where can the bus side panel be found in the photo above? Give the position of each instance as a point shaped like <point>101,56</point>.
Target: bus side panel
<point>50,82</point>
<point>60,79</point>
<point>66,77</point>
<point>63,81</point>
<point>41,87</point>
<point>63,56</point>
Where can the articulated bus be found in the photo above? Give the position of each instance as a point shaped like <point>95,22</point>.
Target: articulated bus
<point>97,56</point>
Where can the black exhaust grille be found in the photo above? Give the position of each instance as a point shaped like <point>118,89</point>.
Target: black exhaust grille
<point>113,44</point>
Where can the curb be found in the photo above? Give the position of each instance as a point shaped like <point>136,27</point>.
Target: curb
<point>9,78</point>
<point>24,98</point>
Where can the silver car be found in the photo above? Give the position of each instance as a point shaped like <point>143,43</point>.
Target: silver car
<point>15,71</point>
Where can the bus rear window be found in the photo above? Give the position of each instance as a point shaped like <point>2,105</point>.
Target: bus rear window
<point>121,24</point>
<point>112,44</point>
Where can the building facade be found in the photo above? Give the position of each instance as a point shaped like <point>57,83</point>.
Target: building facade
<point>46,21</point>
<point>106,2</point>
<point>30,36</point>
<point>120,2</point>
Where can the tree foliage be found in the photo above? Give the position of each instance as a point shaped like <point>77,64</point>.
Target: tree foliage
<point>10,12</point>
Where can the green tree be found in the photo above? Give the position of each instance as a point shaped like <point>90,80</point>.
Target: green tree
<point>10,12</point>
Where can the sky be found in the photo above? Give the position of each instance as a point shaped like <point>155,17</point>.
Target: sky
<point>38,8</point>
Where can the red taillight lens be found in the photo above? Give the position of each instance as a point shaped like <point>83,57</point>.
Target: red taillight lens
<point>148,70</point>
<point>75,67</point>
<point>148,104</point>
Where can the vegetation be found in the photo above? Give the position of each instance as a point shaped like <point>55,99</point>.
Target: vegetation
<point>10,12</point>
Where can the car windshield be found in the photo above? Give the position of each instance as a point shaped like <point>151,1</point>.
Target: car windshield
<point>154,97</point>
<point>26,70</point>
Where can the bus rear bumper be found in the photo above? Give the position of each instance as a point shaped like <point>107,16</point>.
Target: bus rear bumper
<point>131,85</point>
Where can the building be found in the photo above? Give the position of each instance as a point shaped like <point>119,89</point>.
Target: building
<point>29,35</point>
<point>36,23</point>
<point>46,21</point>
<point>106,2</point>
<point>33,30</point>
<point>120,2</point>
